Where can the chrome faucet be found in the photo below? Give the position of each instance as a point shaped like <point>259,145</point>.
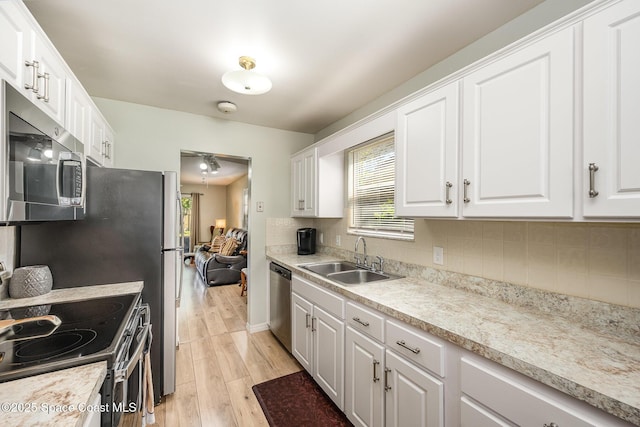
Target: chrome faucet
<point>364,246</point>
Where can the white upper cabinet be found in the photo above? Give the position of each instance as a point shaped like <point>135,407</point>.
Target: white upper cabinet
<point>100,145</point>
<point>303,175</point>
<point>52,79</point>
<point>427,155</point>
<point>517,132</point>
<point>16,46</point>
<point>611,186</point>
<point>316,184</point>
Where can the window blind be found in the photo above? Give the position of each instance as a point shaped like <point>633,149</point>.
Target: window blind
<point>372,189</point>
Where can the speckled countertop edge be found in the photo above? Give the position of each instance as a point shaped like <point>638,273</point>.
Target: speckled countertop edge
<point>599,368</point>
<point>74,294</point>
<point>59,398</point>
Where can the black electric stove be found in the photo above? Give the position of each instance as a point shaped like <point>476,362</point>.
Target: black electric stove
<point>90,331</point>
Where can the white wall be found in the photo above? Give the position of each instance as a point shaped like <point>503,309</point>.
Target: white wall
<point>235,191</point>
<point>151,138</point>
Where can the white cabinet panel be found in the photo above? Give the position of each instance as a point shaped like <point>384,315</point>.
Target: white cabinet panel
<point>303,175</point>
<point>328,346</point>
<point>427,155</point>
<point>518,132</point>
<point>51,97</point>
<point>15,44</point>
<point>612,112</point>
<point>364,360</point>
<point>317,338</point>
<point>413,397</point>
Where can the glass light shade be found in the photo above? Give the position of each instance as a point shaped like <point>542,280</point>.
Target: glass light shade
<point>246,82</point>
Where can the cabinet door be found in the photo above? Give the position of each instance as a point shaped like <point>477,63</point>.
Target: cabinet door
<point>303,183</point>
<point>94,149</point>
<point>310,183</point>
<point>301,335</point>
<point>364,360</point>
<point>52,92</point>
<point>109,147</point>
<point>612,111</point>
<point>518,133</point>
<point>427,155</point>
<point>78,117</point>
<point>413,397</point>
<point>328,359</point>
<point>15,45</point>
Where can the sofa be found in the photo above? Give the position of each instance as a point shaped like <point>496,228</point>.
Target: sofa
<point>223,268</point>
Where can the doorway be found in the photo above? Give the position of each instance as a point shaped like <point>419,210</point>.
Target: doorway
<point>216,195</point>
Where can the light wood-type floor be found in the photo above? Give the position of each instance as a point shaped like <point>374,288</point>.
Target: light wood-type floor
<point>218,361</point>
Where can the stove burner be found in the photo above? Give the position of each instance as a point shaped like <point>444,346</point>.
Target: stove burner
<point>54,345</point>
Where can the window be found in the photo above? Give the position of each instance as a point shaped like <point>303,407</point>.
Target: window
<point>371,181</point>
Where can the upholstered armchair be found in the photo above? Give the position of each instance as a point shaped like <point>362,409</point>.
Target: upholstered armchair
<point>223,270</point>
<point>223,267</point>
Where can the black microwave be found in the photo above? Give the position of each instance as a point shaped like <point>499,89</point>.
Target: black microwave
<point>42,166</point>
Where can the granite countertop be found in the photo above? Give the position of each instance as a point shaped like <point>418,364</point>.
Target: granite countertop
<point>74,294</point>
<point>600,368</point>
<point>60,398</point>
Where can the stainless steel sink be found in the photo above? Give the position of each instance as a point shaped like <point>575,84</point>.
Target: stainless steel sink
<point>326,268</point>
<point>355,277</point>
<point>347,273</point>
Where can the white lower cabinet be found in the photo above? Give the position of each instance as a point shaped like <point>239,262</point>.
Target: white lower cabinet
<point>413,397</point>
<point>493,395</point>
<point>317,336</point>
<point>364,392</point>
<point>382,387</point>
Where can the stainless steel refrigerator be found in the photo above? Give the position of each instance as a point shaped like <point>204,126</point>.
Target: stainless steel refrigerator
<point>131,231</point>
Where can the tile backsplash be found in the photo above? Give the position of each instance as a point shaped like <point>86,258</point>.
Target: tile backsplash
<point>599,261</point>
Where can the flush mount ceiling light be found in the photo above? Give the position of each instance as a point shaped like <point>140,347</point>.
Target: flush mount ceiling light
<point>246,81</point>
<point>227,107</point>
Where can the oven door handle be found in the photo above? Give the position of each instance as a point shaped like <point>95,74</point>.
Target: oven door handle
<point>123,373</point>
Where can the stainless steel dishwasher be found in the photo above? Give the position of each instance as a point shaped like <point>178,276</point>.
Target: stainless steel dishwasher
<point>280,303</point>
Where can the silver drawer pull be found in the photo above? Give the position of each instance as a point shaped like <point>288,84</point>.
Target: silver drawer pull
<point>447,188</point>
<point>550,425</point>
<point>387,387</point>
<point>593,168</point>
<point>376,378</point>
<point>466,198</point>
<point>357,319</point>
<point>415,350</point>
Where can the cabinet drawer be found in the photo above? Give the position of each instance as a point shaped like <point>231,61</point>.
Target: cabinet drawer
<point>418,346</point>
<point>331,302</point>
<point>472,415</point>
<point>365,320</point>
<point>523,401</point>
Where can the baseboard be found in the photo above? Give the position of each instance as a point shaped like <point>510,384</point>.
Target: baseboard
<point>257,328</point>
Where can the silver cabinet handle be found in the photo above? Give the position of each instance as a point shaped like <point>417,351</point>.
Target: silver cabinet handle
<point>414,350</point>
<point>466,198</point>
<point>387,387</point>
<point>307,317</point>
<point>593,168</point>
<point>313,324</point>
<point>550,425</point>
<point>44,97</point>
<point>357,319</point>
<point>375,373</point>
<point>301,204</point>
<point>34,77</point>
<point>447,197</point>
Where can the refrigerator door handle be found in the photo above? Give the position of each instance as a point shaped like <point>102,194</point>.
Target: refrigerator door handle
<point>181,248</point>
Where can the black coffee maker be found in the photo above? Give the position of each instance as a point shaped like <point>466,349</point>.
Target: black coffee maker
<point>306,241</point>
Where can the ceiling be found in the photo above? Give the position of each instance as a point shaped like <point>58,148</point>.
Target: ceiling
<point>326,58</point>
<point>231,169</point>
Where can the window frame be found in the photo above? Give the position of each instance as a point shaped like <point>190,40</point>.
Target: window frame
<point>406,226</point>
